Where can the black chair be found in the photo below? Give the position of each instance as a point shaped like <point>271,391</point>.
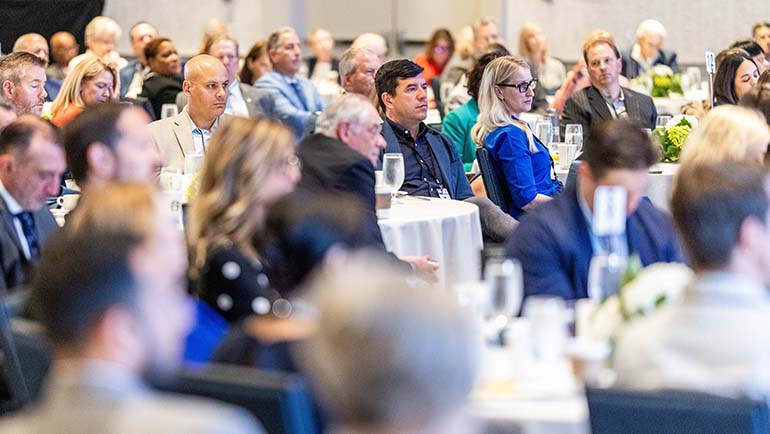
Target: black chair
<point>14,392</point>
<point>435,86</point>
<point>614,411</point>
<point>278,400</point>
<point>497,192</point>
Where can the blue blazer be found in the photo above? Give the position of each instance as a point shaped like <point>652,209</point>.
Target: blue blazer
<point>632,69</point>
<point>287,106</point>
<point>555,250</point>
<point>126,74</point>
<point>450,165</point>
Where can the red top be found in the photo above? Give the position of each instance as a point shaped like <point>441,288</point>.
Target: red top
<point>430,69</point>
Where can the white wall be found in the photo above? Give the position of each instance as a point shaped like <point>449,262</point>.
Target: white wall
<point>693,25</point>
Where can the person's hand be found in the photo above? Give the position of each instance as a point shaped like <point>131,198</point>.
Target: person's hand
<point>423,267</point>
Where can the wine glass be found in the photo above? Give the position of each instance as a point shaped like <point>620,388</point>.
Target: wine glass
<point>573,135</point>
<point>504,279</point>
<point>393,171</point>
<point>548,317</point>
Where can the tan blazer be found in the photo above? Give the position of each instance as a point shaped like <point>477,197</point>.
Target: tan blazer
<point>173,137</point>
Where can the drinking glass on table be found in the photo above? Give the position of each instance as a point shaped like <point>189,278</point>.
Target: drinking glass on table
<point>192,163</point>
<point>393,171</point>
<point>504,279</point>
<point>168,110</point>
<point>544,130</point>
<point>548,318</point>
<point>661,121</point>
<point>573,135</point>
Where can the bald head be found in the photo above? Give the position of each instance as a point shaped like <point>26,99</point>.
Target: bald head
<point>205,84</point>
<point>63,48</point>
<point>32,43</point>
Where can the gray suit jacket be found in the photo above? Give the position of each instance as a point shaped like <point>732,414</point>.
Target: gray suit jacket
<point>257,104</point>
<point>95,403</point>
<point>14,265</point>
<point>587,107</point>
<point>173,137</point>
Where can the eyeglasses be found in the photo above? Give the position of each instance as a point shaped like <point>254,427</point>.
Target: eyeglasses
<point>440,49</point>
<point>522,87</point>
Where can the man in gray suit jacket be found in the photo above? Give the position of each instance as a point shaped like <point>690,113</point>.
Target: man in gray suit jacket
<point>295,98</point>
<point>113,303</point>
<point>188,133</point>
<point>31,165</point>
<point>605,99</point>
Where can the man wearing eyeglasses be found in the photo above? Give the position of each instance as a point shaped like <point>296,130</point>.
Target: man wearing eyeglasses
<point>605,99</point>
<point>432,166</point>
<point>295,98</point>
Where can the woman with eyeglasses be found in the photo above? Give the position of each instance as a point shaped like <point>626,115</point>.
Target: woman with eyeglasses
<point>438,51</point>
<point>522,162</point>
<point>250,164</point>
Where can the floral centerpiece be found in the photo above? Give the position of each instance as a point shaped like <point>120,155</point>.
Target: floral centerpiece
<point>660,81</point>
<point>673,136</point>
<point>642,292</point>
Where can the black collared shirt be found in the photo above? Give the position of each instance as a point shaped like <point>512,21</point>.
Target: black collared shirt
<point>422,176</point>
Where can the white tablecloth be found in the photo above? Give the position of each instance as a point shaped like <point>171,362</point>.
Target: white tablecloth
<point>659,190</point>
<point>449,231</point>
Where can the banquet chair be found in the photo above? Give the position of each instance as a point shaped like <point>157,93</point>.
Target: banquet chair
<point>279,400</point>
<point>615,411</point>
<point>496,191</point>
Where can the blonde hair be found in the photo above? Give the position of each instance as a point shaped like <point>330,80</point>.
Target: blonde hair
<point>118,206</point>
<point>88,69</point>
<point>727,132</point>
<point>492,112</point>
<point>527,31</point>
<point>230,205</point>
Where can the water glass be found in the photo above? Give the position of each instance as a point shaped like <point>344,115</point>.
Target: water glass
<point>168,110</point>
<point>192,163</point>
<point>393,171</point>
<point>170,179</point>
<point>503,277</point>
<point>604,276</point>
<point>548,317</point>
<point>693,75</point>
<point>544,130</point>
<point>573,135</point>
<point>661,121</point>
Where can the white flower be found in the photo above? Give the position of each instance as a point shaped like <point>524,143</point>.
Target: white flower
<point>662,70</point>
<point>676,119</point>
<point>658,284</point>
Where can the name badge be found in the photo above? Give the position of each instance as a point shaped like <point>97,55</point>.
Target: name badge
<point>444,193</point>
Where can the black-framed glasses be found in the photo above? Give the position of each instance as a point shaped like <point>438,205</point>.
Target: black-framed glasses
<point>521,87</point>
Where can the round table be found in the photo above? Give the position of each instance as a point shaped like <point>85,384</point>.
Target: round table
<point>448,231</point>
<point>661,181</point>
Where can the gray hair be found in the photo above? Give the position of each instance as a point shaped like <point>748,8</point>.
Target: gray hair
<point>101,25</point>
<point>651,27</point>
<point>349,57</point>
<point>388,351</point>
<point>275,37</point>
<point>349,107</point>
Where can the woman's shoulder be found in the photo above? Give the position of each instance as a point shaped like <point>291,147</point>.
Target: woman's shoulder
<point>229,260</point>
<point>508,132</point>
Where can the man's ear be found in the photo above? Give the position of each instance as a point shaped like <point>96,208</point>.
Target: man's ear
<point>8,89</point>
<point>101,160</point>
<point>186,87</point>
<point>387,99</point>
<point>7,163</point>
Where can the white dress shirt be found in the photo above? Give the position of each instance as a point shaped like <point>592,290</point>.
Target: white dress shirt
<point>14,208</point>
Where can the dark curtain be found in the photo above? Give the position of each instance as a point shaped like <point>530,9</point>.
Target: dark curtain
<point>46,17</point>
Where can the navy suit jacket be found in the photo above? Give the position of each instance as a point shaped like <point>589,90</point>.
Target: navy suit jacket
<point>449,162</point>
<point>14,265</point>
<point>329,165</point>
<point>287,107</point>
<point>554,246</point>
<point>631,67</point>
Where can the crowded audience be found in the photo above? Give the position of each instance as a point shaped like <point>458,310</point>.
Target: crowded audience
<point>309,215</point>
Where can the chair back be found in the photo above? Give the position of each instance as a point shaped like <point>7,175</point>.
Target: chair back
<point>497,192</point>
<point>15,392</point>
<point>279,400</point>
<point>615,411</point>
